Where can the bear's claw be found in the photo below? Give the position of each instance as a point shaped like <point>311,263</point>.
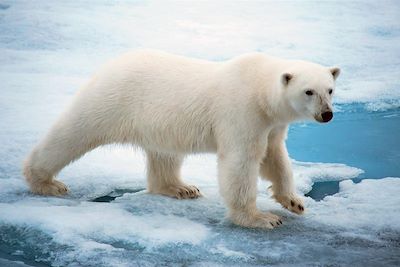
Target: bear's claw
<point>291,202</point>
<point>180,191</point>
<point>186,191</point>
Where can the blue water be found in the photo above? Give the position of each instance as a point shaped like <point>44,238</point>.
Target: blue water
<point>357,137</point>
<point>368,140</point>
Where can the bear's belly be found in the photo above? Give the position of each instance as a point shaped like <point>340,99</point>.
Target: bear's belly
<point>175,143</point>
<point>171,138</point>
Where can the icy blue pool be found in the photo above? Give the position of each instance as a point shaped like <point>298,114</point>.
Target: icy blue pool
<point>358,137</point>
<point>349,169</point>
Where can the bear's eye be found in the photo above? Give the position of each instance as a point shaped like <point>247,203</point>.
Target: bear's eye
<point>330,91</point>
<point>309,92</point>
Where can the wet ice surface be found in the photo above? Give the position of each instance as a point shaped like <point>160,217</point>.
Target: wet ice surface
<point>359,224</point>
<point>48,50</point>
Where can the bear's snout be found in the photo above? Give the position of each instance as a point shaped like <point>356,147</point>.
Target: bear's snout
<point>324,116</point>
<point>327,116</point>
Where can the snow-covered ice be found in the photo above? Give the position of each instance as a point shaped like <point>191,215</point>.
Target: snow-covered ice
<point>48,49</point>
<point>361,223</point>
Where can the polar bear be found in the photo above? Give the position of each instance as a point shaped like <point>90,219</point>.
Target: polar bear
<point>171,106</point>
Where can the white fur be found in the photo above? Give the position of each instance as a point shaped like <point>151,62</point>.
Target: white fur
<point>172,106</point>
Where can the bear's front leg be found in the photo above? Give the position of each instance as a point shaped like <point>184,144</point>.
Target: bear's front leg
<point>276,167</point>
<point>237,176</point>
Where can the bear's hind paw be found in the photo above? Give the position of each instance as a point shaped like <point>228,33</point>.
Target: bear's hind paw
<point>49,188</point>
<point>181,191</point>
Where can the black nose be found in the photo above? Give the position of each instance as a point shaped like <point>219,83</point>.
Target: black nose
<point>327,116</point>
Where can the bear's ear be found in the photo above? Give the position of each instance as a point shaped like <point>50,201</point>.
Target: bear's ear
<point>335,72</point>
<point>286,77</point>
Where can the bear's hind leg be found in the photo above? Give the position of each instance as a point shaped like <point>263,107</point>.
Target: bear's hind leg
<point>42,182</point>
<point>60,147</point>
<point>163,176</point>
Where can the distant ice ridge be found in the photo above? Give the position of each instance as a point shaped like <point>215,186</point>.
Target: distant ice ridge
<point>377,105</point>
<point>393,104</point>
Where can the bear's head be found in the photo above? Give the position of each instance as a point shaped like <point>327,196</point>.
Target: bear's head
<point>309,89</point>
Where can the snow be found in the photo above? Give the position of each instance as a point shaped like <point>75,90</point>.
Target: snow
<point>48,49</point>
<point>69,222</point>
<point>307,173</point>
<point>384,105</point>
<point>371,203</point>
<point>57,37</point>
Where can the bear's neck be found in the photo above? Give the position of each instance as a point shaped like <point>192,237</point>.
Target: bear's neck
<point>277,107</point>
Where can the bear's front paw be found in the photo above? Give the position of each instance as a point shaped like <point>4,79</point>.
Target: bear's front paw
<point>255,219</point>
<point>291,202</point>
